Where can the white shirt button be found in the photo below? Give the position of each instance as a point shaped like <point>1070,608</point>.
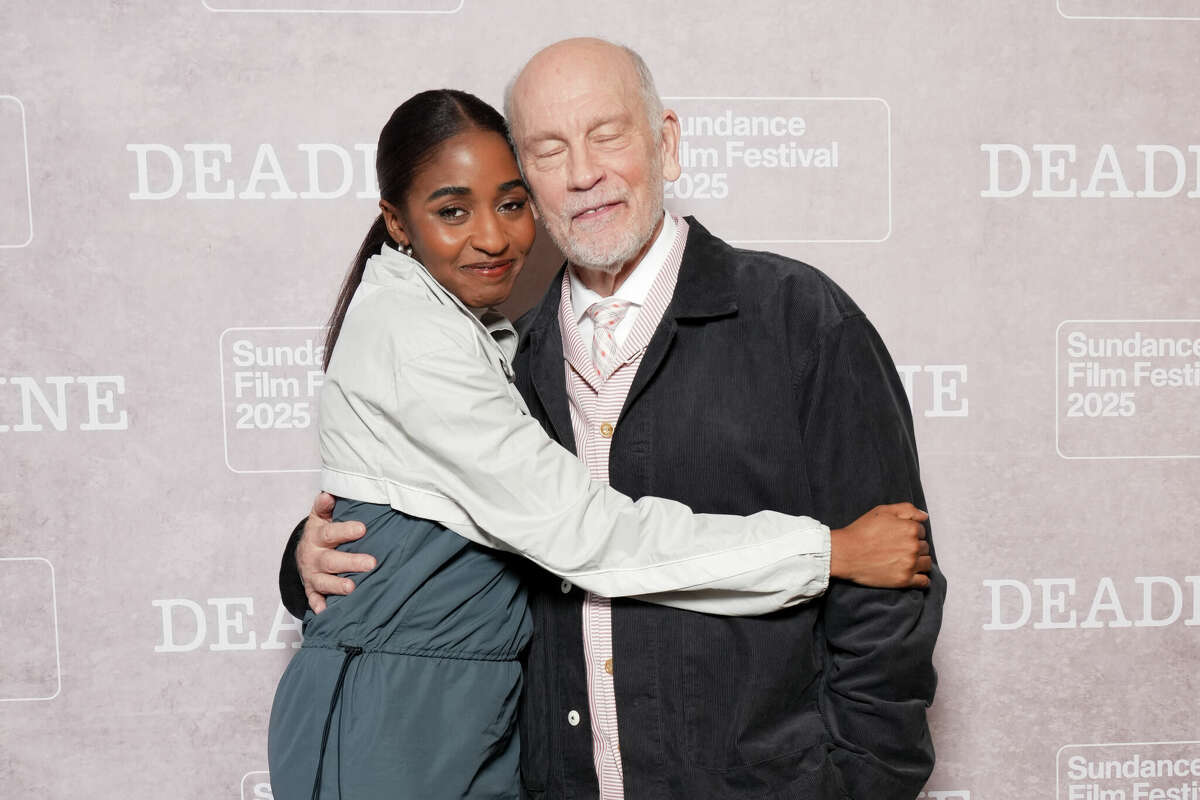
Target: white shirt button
<point>566,587</point>
<point>573,718</point>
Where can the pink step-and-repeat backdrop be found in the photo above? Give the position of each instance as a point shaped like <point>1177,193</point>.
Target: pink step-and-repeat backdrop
<point>1009,188</point>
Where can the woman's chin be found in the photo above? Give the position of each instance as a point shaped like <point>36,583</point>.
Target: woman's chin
<point>488,296</point>
<point>483,300</point>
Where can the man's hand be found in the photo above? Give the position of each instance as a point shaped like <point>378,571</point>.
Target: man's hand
<point>884,548</point>
<point>318,560</point>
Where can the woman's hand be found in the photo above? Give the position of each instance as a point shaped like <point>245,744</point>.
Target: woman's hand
<point>884,548</point>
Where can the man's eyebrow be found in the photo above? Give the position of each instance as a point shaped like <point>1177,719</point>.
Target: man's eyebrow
<point>445,190</point>
<point>541,137</point>
<point>611,119</point>
<point>513,184</point>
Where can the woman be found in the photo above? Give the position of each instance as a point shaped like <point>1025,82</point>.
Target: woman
<point>408,686</point>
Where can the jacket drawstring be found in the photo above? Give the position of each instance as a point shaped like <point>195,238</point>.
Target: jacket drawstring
<point>351,652</point>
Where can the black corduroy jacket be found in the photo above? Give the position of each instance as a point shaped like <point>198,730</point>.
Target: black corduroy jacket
<point>764,387</point>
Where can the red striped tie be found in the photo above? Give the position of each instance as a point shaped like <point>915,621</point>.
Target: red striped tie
<point>606,315</point>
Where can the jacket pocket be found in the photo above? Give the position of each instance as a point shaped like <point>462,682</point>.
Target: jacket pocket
<point>822,783</point>
<point>750,691</point>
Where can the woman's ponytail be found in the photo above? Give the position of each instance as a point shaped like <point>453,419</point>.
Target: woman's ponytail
<point>377,237</point>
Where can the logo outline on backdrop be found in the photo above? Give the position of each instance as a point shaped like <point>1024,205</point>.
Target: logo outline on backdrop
<point>1065,15</point>
<point>54,615</point>
<point>454,10</point>
<point>247,775</point>
<point>1057,417</point>
<point>1058,757</point>
<point>28,181</point>
<point>886,107</point>
<point>225,416</point>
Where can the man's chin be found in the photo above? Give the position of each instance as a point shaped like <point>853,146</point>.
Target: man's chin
<point>606,252</point>
<point>599,259</point>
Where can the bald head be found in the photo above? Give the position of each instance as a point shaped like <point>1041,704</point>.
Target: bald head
<point>595,146</point>
<point>580,62</point>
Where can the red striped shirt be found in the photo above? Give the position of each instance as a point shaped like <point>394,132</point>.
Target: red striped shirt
<point>595,407</point>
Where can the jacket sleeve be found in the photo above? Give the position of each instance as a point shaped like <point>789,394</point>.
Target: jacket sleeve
<point>291,590</point>
<point>471,458</point>
<point>878,676</point>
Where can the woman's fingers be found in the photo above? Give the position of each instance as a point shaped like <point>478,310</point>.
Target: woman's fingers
<point>904,511</point>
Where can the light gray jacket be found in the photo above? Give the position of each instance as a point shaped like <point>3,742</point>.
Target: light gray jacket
<point>419,412</point>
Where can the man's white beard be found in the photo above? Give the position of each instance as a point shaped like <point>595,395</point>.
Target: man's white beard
<point>610,258</point>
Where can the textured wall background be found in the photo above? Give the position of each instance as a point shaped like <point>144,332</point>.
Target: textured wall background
<point>183,183</point>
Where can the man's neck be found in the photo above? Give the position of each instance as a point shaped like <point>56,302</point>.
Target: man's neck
<point>606,283</point>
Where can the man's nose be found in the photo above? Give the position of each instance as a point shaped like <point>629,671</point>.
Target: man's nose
<point>583,171</point>
<point>488,235</point>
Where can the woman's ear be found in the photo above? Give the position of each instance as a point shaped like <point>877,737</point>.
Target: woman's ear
<point>395,225</point>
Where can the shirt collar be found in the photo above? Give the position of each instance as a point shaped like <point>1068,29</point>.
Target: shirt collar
<point>637,285</point>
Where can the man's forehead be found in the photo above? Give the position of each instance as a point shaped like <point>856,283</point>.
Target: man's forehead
<point>547,99</point>
<point>549,112</point>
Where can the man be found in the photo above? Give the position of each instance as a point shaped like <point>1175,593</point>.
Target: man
<point>757,383</point>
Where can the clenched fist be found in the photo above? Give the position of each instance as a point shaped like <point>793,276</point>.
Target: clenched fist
<point>884,548</point>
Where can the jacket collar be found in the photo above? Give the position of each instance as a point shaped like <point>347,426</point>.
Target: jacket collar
<point>540,335</point>
<point>706,289</point>
<point>706,286</point>
<point>390,267</point>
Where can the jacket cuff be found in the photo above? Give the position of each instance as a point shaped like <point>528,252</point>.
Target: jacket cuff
<point>291,589</point>
<point>865,780</point>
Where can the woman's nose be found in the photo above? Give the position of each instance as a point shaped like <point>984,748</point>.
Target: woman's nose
<point>488,235</point>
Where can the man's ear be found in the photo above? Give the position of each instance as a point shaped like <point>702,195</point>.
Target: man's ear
<point>669,145</point>
<point>395,225</point>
